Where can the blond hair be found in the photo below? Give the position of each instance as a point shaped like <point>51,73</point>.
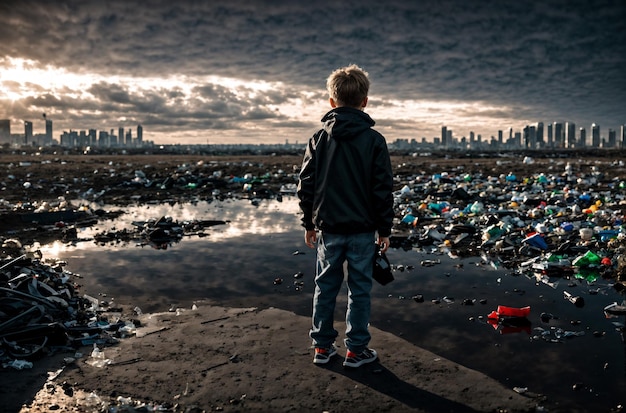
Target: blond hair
<point>348,86</point>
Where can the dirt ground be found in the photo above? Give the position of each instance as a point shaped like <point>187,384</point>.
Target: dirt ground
<point>236,359</point>
<point>233,359</point>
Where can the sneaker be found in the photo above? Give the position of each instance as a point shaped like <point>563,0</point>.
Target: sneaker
<point>355,360</point>
<point>323,354</point>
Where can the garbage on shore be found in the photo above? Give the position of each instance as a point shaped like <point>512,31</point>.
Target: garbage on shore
<point>566,226</point>
<point>42,311</point>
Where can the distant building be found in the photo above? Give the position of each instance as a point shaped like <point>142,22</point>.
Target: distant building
<point>582,138</point>
<point>28,132</point>
<point>623,135</point>
<point>5,131</point>
<point>612,143</point>
<point>540,141</point>
<point>559,136</point>
<point>529,137</point>
<point>550,137</point>
<point>69,139</point>
<point>139,135</point>
<point>93,141</point>
<point>49,135</point>
<point>595,136</point>
<point>103,139</point>
<point>570,135</point>
<point>444,136</point>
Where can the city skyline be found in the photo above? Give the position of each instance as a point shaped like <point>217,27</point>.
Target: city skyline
<point>539,135</point>
<point>244,72</point>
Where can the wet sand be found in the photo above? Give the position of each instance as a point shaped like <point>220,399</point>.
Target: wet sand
<point>235,359</point>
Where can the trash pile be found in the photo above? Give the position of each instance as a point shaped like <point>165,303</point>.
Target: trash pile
<point>547,227</point>
<point>26,186</point>
<point>51,211</point>
<point>49,221</point>
<point>157,233</point>
<point>42,310</point>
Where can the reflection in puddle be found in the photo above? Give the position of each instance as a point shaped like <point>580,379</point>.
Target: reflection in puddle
<point>236,265</point>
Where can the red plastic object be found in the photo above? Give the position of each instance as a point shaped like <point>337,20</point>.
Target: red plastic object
<point>504,311</point>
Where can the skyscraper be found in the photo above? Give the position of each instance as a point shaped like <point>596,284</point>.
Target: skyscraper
<point>83,139</point>
<point>570,135</point>
<point>612,139</point>
<point>595,136</point>
<point>28,132</point>
<point>444,136</point>
<point>93,141</point>
<point>557,130</point>
<point>103,139</point>
<point>48,139</point>
<point>623,135</point>
<point>529,137</point>
<point>5,131</point>
<point>582,138</point>
<point>139,135</point>
<point>540,142</point>
<point>550,136</point>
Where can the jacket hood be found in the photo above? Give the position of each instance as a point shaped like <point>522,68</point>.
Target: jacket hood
<point>346,123</point>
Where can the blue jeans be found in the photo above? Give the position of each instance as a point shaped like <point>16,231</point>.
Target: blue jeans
<point>332,251</point>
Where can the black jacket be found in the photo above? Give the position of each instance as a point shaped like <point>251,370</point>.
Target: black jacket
<point>346,181</point>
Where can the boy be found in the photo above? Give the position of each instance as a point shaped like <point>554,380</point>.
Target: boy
<point>345,191</point>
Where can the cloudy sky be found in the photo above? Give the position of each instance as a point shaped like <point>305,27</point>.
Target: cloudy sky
<point>254,71</point>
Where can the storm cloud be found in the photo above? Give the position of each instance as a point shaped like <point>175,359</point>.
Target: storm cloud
<point>230,68</point>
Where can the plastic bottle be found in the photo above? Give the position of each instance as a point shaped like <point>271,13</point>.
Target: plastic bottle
<point>410,219</point>
<point>477,207</point>
<point>574,299</point>
<point>96,353</point>
<point>586,234</point>
<point>589,258</point>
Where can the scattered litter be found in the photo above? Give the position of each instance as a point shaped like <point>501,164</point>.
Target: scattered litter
<point>509,320</point>
<point>557,229</point>
<point>574,299</point>
<point>615,309</point>
<point>43,311</point>
<point>158,233</point>
<point>18,364</point>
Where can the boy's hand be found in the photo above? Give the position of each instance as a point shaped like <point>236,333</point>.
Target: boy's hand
<point>383,243</point>
<point>310,238</point>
